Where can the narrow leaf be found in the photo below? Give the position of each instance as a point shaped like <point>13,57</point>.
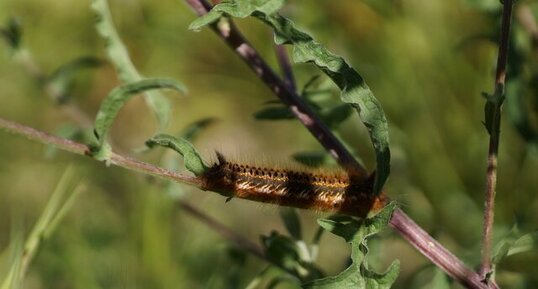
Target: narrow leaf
<point>291,220</point>
<point>193,161</point>
<point>60,81</point>
<point>191,131</point>
<point>354,89</point>
<point>334,116</point>
<point>119,56</point>
<point>312,158</point>
<point>274,113</point>
<point>119,96</point>
<point>12,33</point>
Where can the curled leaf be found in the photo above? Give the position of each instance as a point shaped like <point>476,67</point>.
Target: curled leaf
<point>193,161</point>
<point>119,96</point>
<point>119,56</point>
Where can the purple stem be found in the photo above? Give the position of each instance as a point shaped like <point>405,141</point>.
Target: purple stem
<point>428,246</point>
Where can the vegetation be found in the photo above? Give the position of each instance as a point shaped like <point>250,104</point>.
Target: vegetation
<point>75,71</point>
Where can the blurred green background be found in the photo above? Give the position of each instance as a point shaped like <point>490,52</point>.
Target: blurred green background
<point>426,61</point>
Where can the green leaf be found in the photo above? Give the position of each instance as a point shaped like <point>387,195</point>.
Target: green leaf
<point>239,9</point>
<point>60,81</point>
<point>119,56</point>
<point>439,281</point>
<point>193,161</point>
<point>334,116</point>
<point>283,252</point>
<point>357,232</point>
<point>291,220</point>
<point>119,96</point>
<point>512,244</point>
<point>312,159</point>
<point>525,243</point>
<point>274,113</point>
<point>354,89</point>
<point>492,108</point>
<point>12,33</point>
<point>192,130</point>
<point>59,203</point>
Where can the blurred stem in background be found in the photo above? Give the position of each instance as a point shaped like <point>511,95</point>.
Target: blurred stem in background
<point>59,204</point>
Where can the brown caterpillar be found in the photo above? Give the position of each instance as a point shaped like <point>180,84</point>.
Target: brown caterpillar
<point>343,193</point>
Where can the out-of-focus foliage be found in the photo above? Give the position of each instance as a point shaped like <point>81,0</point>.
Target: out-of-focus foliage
<point>426,61</point>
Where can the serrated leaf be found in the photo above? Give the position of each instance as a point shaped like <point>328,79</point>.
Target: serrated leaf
<point>60,81</point>
<point>119,56</point>
<point>193,161</point>
<point>305,50</point>
<point>274,113</point>
<point>357,232</point>
<point>119,96</point>
<point>291,220</point>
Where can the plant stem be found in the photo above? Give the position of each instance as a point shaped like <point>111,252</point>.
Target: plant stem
<point>494,131</point>
<point>436,253</point>
<point>82,149</point>
<point>224,231</point>
<point>285,66</point>
<point>235,40</point>
<point>412,232</point>
<point>83,120</point>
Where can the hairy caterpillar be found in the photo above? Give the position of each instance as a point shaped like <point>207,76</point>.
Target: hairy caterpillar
<point>344,193</point>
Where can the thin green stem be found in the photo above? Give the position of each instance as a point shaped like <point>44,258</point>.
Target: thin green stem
<point>494,107</point>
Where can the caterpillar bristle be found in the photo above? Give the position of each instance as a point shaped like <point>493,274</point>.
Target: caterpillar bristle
<point>338,192</point>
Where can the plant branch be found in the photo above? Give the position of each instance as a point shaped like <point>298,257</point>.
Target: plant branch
<point>24,57</point>
<point>82,149</point>
<point>493,118</point>
<point>285,66</point>
<point>235,40</point>
<point>224,231</point>
<point>417,237</point>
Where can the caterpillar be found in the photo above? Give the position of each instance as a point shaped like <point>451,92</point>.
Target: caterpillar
<point>345,193</point>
